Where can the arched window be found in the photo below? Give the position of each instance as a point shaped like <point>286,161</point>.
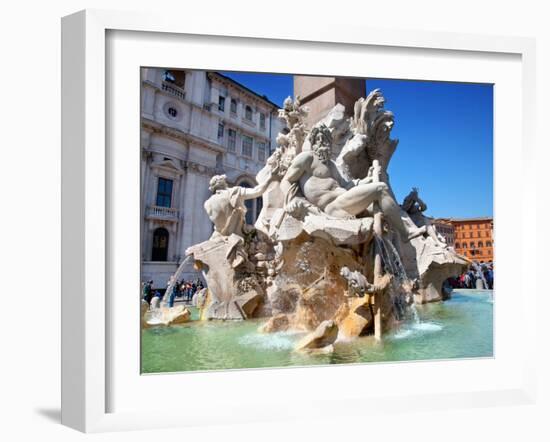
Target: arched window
<point>464,245</point>
<point>472,245</point>
<point>160,245</point>
<point>457,245</point>
<point>480,244</point>
<point>487,243</point>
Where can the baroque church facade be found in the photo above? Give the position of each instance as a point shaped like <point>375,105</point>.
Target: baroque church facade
<point>194,125</point>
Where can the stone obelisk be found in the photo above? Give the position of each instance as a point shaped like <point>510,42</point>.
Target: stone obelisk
<point>321,94</point>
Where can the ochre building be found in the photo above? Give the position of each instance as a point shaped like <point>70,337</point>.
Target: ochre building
<point>474,238</point>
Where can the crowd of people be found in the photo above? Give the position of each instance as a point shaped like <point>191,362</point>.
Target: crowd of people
<point>183,289</point>
<point>468,280</point>
<point>187,289</point>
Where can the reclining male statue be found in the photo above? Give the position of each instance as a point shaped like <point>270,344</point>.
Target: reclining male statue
<point>322,185</point>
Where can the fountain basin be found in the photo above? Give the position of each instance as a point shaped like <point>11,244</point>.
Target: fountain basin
<point>461,327</point>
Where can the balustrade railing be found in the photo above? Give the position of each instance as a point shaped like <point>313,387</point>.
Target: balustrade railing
<point>162,212</point>
<point>173,90</point>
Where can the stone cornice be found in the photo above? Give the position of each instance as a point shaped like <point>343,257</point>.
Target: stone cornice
<point>201,169</point>
<point>244,90</point>
<point>177,134</point>
<point>249,128</point>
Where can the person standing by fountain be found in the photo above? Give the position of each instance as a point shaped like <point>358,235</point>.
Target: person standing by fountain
<point>147,291</point>
<point>489,277</point>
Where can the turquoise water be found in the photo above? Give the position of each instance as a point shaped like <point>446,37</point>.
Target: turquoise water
<point>459,328</point>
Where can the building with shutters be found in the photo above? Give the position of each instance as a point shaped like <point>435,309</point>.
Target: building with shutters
<point>473,238</point>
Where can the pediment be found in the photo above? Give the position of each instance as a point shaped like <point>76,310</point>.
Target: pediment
<point>168,164</point>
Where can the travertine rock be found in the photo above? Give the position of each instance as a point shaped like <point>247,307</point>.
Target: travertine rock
<point>324,335</point>
<point>144,308</point>
<point>318,218</point>
<point>339,231</point>
<point>354,318</point>
<point>249,302</point>
<point>430,265</point>
<point>277,323</point>
<point>309,284</point>
<point>214,257</point>
<point>283,296</point>
<point>178,314</point>
<point>233,291</point>
<point>284,227</point>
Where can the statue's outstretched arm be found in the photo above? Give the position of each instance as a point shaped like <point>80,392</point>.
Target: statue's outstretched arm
<point>257,191</point>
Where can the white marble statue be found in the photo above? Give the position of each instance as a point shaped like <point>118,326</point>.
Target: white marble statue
<point>415,208</point>
<point>226,208</point>
<point>317,223</point>
<point>316,177</point>
<point>368,138</point>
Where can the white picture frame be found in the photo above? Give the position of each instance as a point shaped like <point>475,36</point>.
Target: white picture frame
<point>87,210</point>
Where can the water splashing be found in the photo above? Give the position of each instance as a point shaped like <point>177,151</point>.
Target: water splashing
<point>402,284</point>
<point>401,273</point>
<point>279,341</point>
<point>174,280</point>
<point>414,312</point>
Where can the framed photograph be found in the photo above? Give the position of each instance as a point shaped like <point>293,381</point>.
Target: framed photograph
<point>250,218</point>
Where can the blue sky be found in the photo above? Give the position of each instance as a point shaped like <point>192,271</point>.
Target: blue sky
<point>445,133</point>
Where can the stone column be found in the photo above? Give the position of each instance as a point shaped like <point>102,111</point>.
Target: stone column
<point>189,208</point>
<point>321,94</point>
<point>180,204</point>
<point>145,196</point>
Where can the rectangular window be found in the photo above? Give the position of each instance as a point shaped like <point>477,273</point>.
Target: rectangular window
<point>248,113</point>
<point>164,192</point>
<point>247,147</point>
<point>221,103</point>
<point>262,121</point>
<point>261,152</point>
<point>233,106</point>
<point>220,131</point>
<point>231,140</point>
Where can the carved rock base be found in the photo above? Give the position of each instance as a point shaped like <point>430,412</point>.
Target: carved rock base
<point>233,292</point>
<point>324,336</point>
<point>167,316</point>
<point>355,318</point>
<point>309,285</point>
